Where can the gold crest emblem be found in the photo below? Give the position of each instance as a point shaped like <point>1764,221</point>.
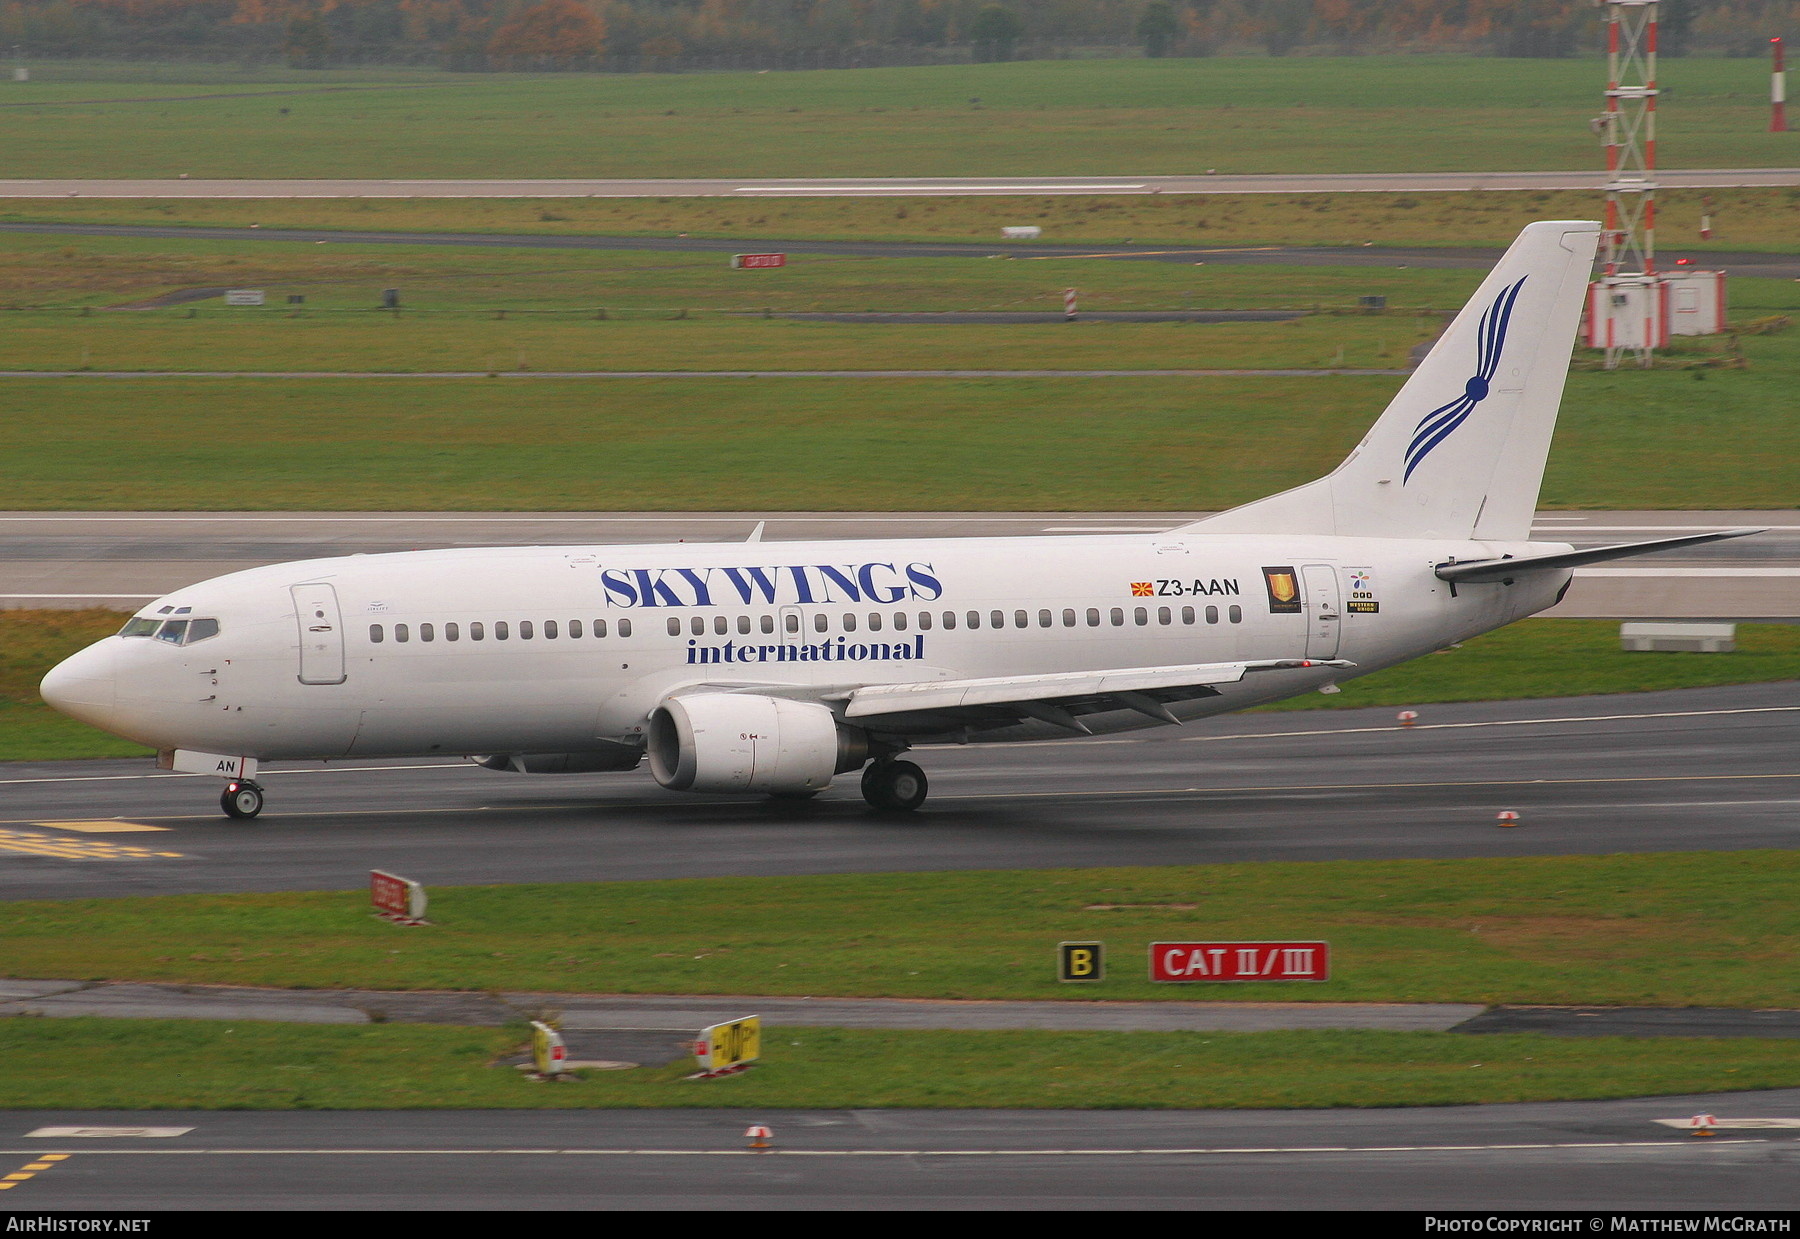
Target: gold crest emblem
<point>1283,584</point>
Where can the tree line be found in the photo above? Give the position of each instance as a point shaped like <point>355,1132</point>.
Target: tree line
<point>673,35</point>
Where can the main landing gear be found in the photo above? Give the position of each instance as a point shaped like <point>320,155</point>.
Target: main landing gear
<point>242,799</point>
<point>897,786</point>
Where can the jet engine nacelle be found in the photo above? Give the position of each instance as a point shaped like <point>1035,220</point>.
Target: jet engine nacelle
<point>742,742</point>
<point>612,757</point>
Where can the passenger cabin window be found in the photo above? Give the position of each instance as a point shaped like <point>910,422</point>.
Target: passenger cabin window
<point>768,623</point>
<point>949,619</point>
<point>1068,617</point>
<point>820,623</point>
<point>477,631</point>
<point>849,623</point>
<point>924,621</point>
<point>1235,614</point>
<point>524,630</point>
<point>427,632</point>
<point>574,630</point>
<point>874,621</point>
<point>791,622</point>
<point>501,631</point>
<point>674,626</point>
<point>1118,616</point>
<point>549,630</point>
<point>1093,617</point>
<point>1140,616</point>
<point>401,634</point>
<point>697,625</point>
<point>900,620</point>
<point>1212,615</point>
<point>974,618</point>
<point>624,628</point>
<point>599,628</point>
<point>1163,615</point>
<point>1187,615</point>
<point>743,625</point>
<point>143,626</point>
<point>452,632</point>
<point>375,634</point>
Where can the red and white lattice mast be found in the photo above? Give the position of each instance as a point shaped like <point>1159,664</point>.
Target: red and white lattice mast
<point>1634,321</point>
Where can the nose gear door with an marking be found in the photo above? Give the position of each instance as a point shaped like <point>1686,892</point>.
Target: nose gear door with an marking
<point>321,634</point>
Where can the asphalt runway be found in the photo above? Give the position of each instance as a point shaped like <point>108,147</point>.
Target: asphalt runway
<point>1587,1157</point>
<point>1779,266</point>
<point>1675,771</point>
<point>123,559</point>
<point>879,187</point>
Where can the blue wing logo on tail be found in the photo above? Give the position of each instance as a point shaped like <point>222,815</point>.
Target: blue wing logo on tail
<point>1441,422</point>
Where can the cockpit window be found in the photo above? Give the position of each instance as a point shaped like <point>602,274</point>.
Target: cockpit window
<point>175,631</point>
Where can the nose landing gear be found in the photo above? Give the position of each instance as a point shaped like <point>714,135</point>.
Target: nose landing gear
<point>242,799</point>
<point>896,786</point>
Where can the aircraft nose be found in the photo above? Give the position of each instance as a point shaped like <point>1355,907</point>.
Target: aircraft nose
<point>85,685</point>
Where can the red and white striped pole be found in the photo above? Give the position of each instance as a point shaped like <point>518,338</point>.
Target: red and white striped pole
<point>1069,303</point>
<point>1777,90</point>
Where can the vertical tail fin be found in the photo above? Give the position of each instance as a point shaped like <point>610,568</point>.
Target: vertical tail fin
<point>1460,450</point>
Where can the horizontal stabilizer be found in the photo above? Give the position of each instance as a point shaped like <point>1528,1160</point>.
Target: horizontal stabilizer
<point>1500,569</point>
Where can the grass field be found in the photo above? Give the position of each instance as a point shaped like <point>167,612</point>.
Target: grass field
<point>1078,117</point>
<point>91,1064</point>
<point>1536,658</point>
<point>1743,219</point>
<point>1691,928</point>
<point>50,272</point>
<point>1626,440</point>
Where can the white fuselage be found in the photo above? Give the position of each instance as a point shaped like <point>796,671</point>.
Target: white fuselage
<point>565,649</point>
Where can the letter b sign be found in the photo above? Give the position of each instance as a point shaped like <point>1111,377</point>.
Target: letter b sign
<point>1080,961</point>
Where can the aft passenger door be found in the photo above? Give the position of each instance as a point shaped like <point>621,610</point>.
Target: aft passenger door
<point>1324,610</point>
<point>321,634</point>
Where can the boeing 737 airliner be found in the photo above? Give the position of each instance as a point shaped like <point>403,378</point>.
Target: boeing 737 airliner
<point>773,667</point>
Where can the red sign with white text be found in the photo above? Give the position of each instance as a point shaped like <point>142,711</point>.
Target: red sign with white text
<point>749,261</point>
<point>1240,961</point>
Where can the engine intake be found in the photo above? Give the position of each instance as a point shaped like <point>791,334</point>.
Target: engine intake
<point>743,742</point>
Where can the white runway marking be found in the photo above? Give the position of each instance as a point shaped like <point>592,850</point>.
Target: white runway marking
<point>1501,722</point>
<point>1251,1151</point>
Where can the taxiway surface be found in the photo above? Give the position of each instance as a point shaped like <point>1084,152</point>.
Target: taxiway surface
<point>1675,771</point>
<point>874,187</point>
<point>1588,1156</point>
<point>123,559</point>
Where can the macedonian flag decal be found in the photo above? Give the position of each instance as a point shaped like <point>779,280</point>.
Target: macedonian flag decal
<point>1284,590</point>
<point>1143,589</point>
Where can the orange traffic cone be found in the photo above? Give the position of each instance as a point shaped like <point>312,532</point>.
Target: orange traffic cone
<point>758,1137</point>
<point>1406,718</point>
<point>1703,1125</point>
<point>1508,818</point>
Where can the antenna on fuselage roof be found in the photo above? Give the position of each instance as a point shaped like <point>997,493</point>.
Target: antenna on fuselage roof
<point>756,534</point>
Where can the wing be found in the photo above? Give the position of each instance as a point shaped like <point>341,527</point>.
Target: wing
<point>1060,698</point>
